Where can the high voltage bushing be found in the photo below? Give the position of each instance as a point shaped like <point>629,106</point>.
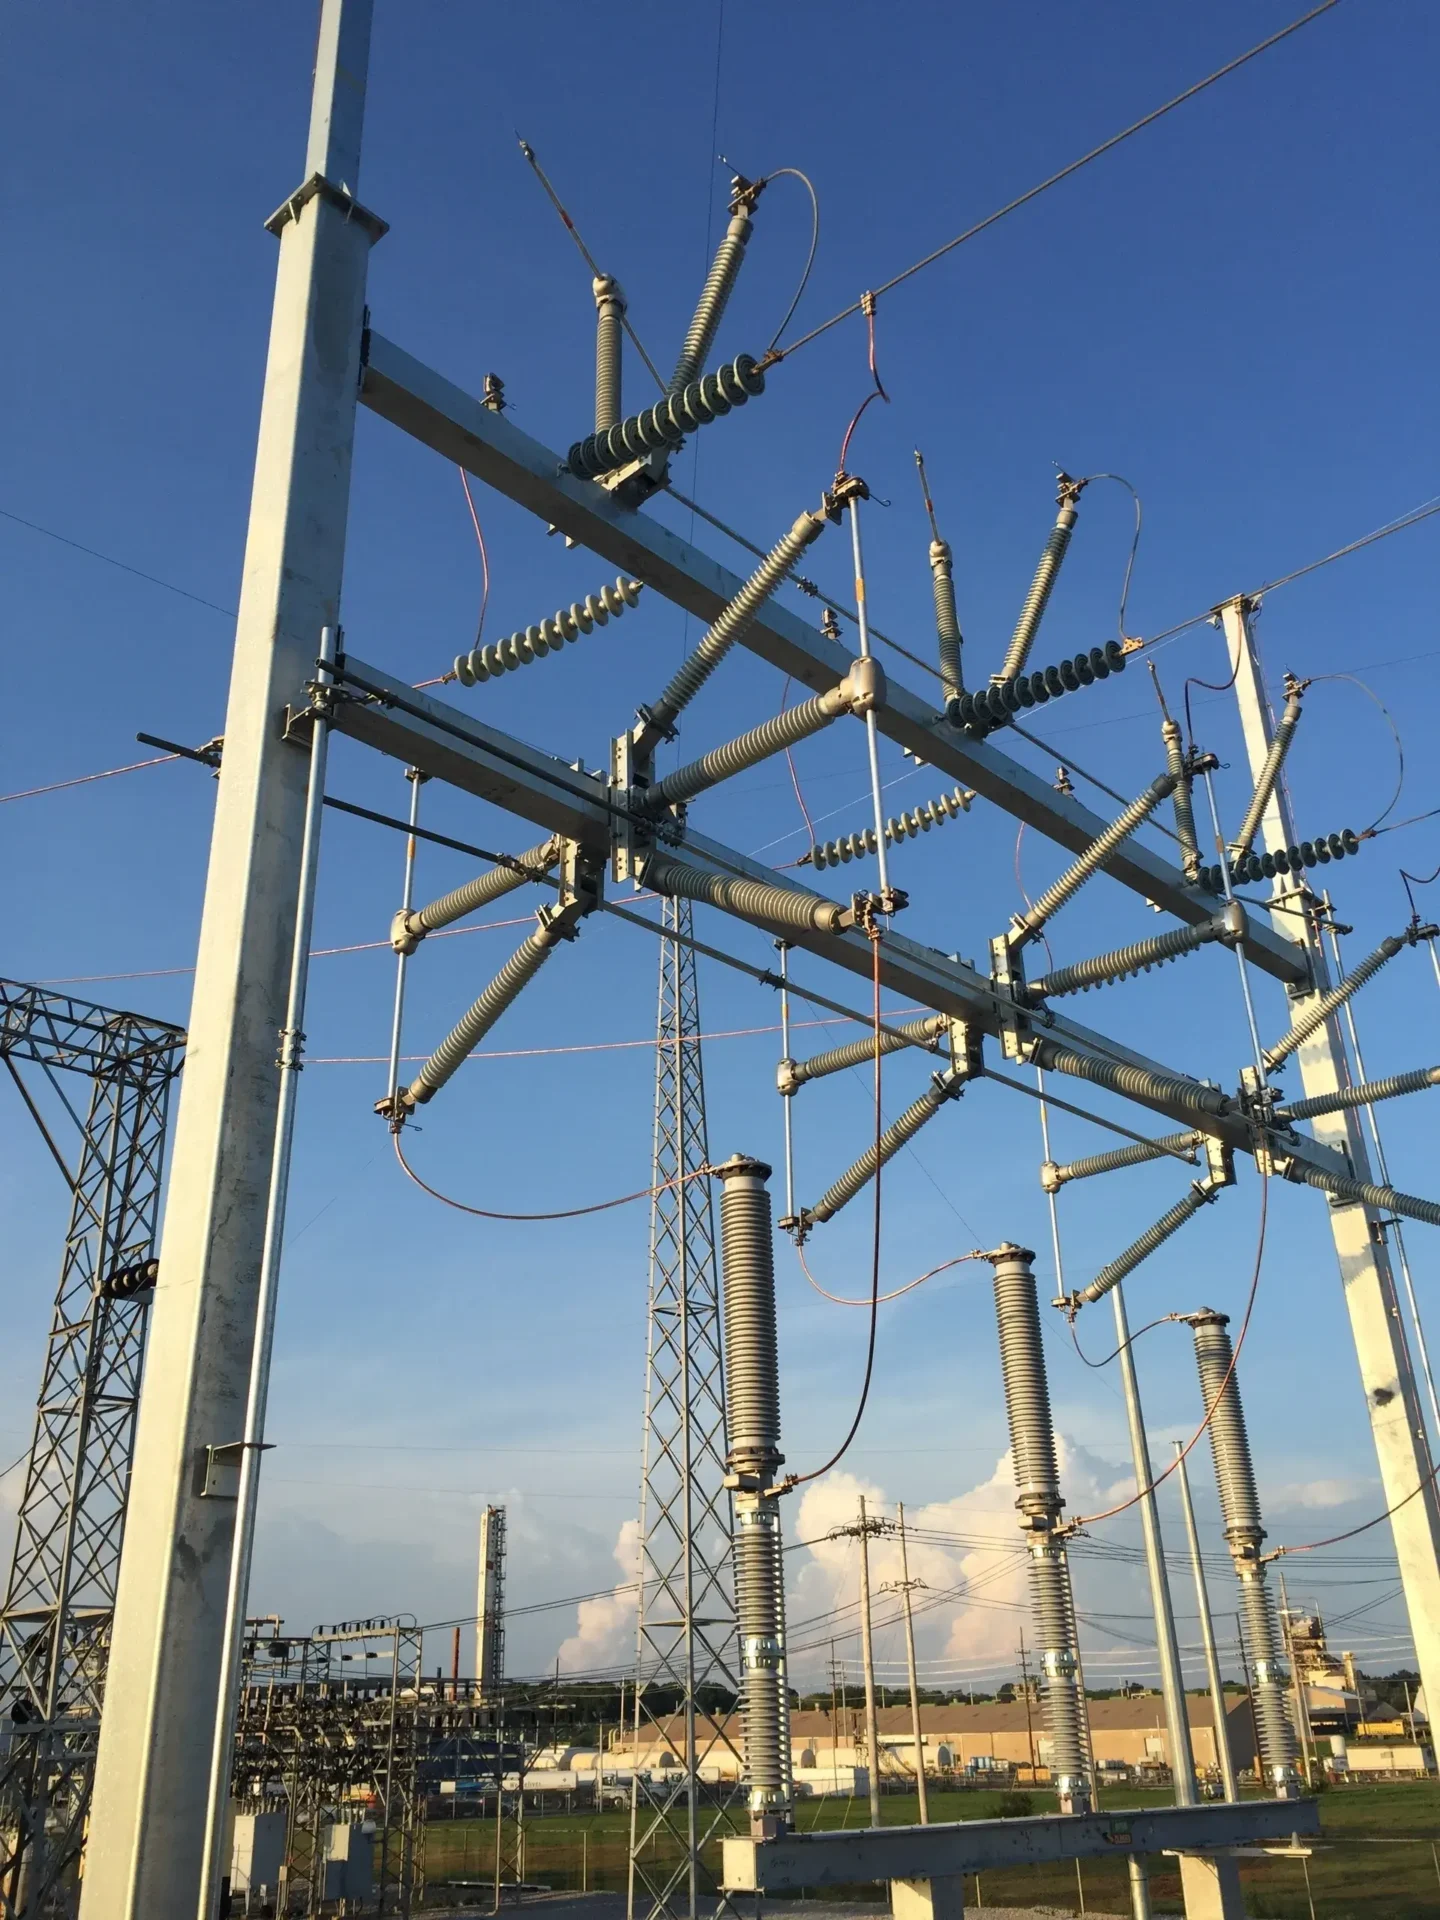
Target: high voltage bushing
<point>981,713</point>
<point>1317,1014</point>
<point>665,425</point>
<point>1269,773</point>
<point>719,284</point>
<point>900,826</point>
<point>1037,1483</point>
<point>752,1406</point>
<point>927,1032</point>
<point>1364,1095</point>
<point>1184,808</point>
<point>1297,859</point>
<point>774,908</point>
<point>529,644</point>
<point>1045,576</point>
<point>860,692</point>
<point>1105,968</point>
<point>1136,1083</point>
<point>1364,1193</point>
<point>1027,925</point>
<point>609,313</point>
<point>1171,1145</point>
<point>734,620</point>
<point>943,1087</point>
<point>556,924</point>
<point>409,928</point>
<point>1240,1508</point>
<point>1199,1194</point>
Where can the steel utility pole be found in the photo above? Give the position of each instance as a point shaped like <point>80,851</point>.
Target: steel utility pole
<point>1207,1632</point>
<point>1397,1419</point>
<point>905,1584</point>
<point>1172,1675</point>
<point>148,1821</point>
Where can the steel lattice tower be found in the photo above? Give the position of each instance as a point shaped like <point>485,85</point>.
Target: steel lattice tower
<point>55,1621</point>
<point>686,1636</point>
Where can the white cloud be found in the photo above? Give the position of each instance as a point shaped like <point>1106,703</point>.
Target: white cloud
<point>1320,1493</point>
<point>604,1633</point>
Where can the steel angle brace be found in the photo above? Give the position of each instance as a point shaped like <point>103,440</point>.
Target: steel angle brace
<point>453,423</point>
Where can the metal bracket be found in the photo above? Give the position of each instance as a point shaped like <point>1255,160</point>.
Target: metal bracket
<point>1007,976</point>
<point>220,1476</point>
<point>967,1057</point>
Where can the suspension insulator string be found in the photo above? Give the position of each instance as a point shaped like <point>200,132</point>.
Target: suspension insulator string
<point>1300,858</point>
<point>981,713</point>
<point>528,644</point>
<point>900,826</point>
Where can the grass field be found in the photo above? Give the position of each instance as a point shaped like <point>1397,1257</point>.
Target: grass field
<point>1378,1856</point>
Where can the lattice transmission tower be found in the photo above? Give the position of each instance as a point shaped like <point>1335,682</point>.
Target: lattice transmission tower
<point>686,1635</point>
<point>60,1595</point>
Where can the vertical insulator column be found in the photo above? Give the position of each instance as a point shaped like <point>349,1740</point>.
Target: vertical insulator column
<point>609,311</point>
<point>1184,809</point>
<point>1037,1483</point>
<point>1240,1508</point>
<point>714,297</point>
<point>947,621</point>
<point>752,1396</point>
<point>1268,775</point>
<point>1028,625</point>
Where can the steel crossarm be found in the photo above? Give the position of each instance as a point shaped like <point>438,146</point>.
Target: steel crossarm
<point>448,744</point>
<point>442,416</point>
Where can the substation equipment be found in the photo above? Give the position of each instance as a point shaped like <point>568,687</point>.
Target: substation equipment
<point>55,1619</point>
<point>163,1768</point>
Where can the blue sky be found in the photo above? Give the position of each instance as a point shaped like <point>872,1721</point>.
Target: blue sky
<point>1232,311</point>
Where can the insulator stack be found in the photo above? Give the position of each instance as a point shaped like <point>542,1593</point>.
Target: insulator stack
<point>1268,775</point>
<point>1297,859</point>
<point>1364,1193</point>
<point>663,426</point>
<point>1364,1095</point>
<point>752,1401</point>
<point>1027,925</point>
<point>943,1087</point>
<point>519,970</point>
<point>777,909</point>
<point>1046,573</point>
<point>1105,968</point>
<point>900,826</point>
<point>529,644</point>
<point>947,621</point>
<point>409,928</point>
<point>1240,1507</point>
<point>609,312</point>
<point>1037,1482</point>
<point>714,298</point>
<point>927,1032</point>
<point>1136,1083</point>
<point>1053,1177</point>
<point>1200,1194</point>
<point>733,622</point>
<point>1320,1010</point>
<point>1184,808</point>
<point>862,690</point>
<point>980,713</point>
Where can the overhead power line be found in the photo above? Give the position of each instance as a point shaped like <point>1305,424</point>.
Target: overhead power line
<point>1033,193</point>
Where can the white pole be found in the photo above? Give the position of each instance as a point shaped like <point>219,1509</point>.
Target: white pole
<point>867,1653</point>
<point>145,1857</point>
<point>914,1686</point>
<point>1207,1632</point>
<point>1392,1399</point>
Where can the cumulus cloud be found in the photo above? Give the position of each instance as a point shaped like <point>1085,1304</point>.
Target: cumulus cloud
<point>1320,1493</point>
<point>604,1633</point>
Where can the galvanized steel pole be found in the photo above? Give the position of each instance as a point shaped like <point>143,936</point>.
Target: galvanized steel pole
<point>1223,1754</point>
<point>147,1826</point>
<point>867,1655</point>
